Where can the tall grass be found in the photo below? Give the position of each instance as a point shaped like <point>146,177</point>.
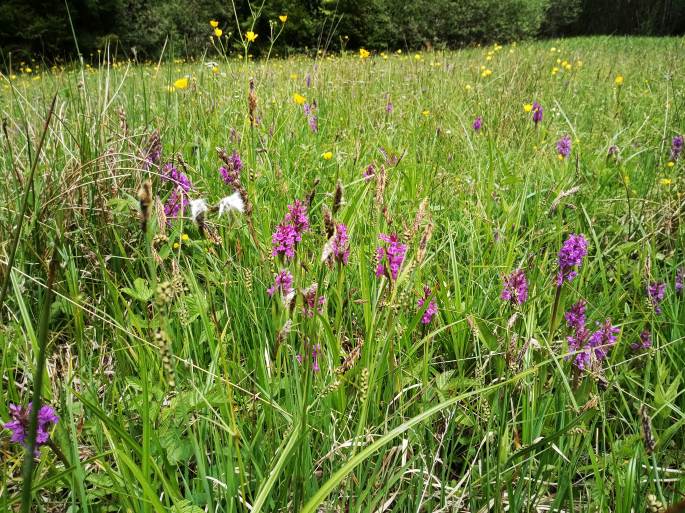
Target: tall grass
<point>176,376</point>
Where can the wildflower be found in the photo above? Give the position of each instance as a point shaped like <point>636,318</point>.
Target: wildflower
<point>425,113</point>
<point>645,341</point>
<point>251,36</point>
<point>564,147</point>
<point>231,172</point>
<point>178,199</point>
<point>214,23</point>
<point>181,83</point>
<point>328,155</point>
<point>299,99</point>
<point>677,147</point>
<point>312,118</point>
<point>283,18</point>
<point>486,73</point>
<point>467,87</point>
<point>340,244</point>
<point>285,240</point>
<point>153,151</point>
<point>613,151</point>
<point>297,216</point>
<point>283,283</point>
<point>679,279</point>
<point>308,80</point>
<point>176,245</point>
<point>603,339</point>
<point>19,424</point>
<point>232,202</point>
<point>575,317</point>
<point>571,257</point>
<point>618,81</point>
<point>363,54</point>
<point>315,357</point>
<point>431,309</point>
<point>515,287</point>
<point>369,172</point>
<point>185,237</point>
<point>655,294</point>
<point>477,124</point>
<point>312,301</point>
<point>215,69</point>
<point>537,113</point>
<point>527,107</point>
<point>665,181</point>
<point>218,32</point>
<point>392,256</point>
<point>389,107</point>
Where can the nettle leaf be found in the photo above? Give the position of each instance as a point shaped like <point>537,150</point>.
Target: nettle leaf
<point>141,292</point>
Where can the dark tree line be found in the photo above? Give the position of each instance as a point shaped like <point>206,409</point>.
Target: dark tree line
<point>55,29</point>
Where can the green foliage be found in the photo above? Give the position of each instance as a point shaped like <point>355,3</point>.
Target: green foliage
<point>480,410</point>
<point>41,27</point>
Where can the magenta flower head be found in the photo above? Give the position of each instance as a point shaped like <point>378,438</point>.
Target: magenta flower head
<point>431,309</point>
<point>283,283</point>
<point>19,423</point>
<point>340,245</point>
<point>369,172</point>
<point>677,147</point>
<point>575,317</point>
<point>515,287</point>
<point>289,233</point>
<point>389,107</point>
<point>645,341</point>
<point>602,340</point>
<point>537,113</point>
<point>655,293</point>
<point>297,216</point>
<point>679,279</point>
<point>564,147</point>
<point>311,301</point>
<point>477,124</point>
<point>178,200</point>
<point>284,241</point>
<point>231,173</point>
<point>390,257</point>
<point>571,257</point>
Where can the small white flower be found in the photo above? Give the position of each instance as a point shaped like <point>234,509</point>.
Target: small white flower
<point>197,208</point>
<point>232,202</point>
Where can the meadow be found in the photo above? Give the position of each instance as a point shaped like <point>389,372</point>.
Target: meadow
<point>403,281</point>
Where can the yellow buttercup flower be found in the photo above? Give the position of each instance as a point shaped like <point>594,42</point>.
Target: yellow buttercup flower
<point>185,237</point>
<point>293,76</point>
<point>417,56</point>
<point>467,87</point>
<point>618,80</point>
<point>283,18</point>
<point>215,69</point>
<point>665,181</point>
<point>426,113</point>
<point>299,99</point>
<point>181,83</point>
<point>214,23</point>
<point>486,73</point>
<point>528,107</point>
<point>250,36</point>
<point>670,163</point>
<point>176,245</point>
<point>363,53</point>
<point>327,155</point>
<point>218,32</point>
